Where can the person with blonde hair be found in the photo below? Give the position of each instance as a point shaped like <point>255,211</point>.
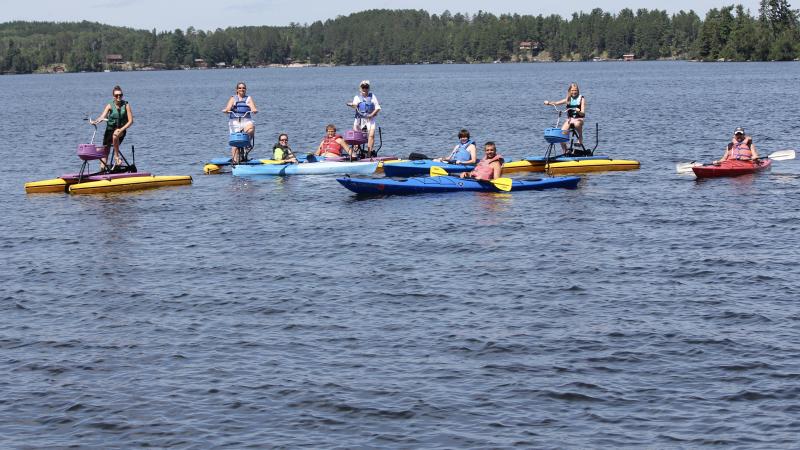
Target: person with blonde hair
<point>576,112</point>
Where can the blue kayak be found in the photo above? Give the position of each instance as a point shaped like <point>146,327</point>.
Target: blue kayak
<point>423,166</point>
<point>419,185</point>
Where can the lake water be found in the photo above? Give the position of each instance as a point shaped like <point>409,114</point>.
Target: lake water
<point>643,309</point>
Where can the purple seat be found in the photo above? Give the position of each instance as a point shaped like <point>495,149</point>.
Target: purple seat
<point>355,137</point>
<point>88,152</point>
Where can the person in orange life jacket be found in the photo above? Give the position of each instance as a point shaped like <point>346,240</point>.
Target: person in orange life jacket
<point>367,107</point>
<point>464,152</point>
<point>576,111</point>
<point>120,118</point>
<point>239,104</point>
<point>741,147</point>
<point>332,144</point>
<point>281,151</point>
<point>490,167</point>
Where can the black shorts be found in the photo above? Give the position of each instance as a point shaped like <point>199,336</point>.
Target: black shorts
<point>108,138</point>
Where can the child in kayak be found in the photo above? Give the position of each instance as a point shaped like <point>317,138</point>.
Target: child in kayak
<point>576,112</point>
<point>490,167</point>
<point>464,152</point>
<point>740,148</point>
<point>332,144</point>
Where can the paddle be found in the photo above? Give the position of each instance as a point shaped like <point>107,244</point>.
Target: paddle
<point>504,184</point>
<point>780,155</point>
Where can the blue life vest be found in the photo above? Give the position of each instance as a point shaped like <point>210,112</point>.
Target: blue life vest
<point>461,153</point>
<point>365,106</point>
<point>574,105</point>
<point>239,107</point>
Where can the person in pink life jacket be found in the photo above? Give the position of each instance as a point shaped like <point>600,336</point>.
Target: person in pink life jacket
<point>740,148</point>
<point>490,167</point>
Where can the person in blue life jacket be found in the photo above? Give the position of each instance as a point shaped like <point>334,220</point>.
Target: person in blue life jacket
<point>120,117</point>
<point>367,107</point>
<point>464,152</point>
<point>576,112</point>
<point>240,109</point>
<point>281,151</point>
<point>740,148</point>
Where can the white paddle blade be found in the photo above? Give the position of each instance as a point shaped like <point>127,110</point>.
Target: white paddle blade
<point>686,167</point>
<point>782,155</point>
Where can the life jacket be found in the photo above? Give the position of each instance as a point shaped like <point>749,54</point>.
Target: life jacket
<point>483,170</point>
<point>741,149</point>
<point>117,117</point>
<point>365,106</point>
<point>461,153</point>
<point>329,145</point>
<point>574,105</point>
<point>239,107</point>
<point>281,153</point>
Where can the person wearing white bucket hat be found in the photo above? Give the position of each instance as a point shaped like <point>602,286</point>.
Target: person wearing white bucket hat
<point>367,107</point>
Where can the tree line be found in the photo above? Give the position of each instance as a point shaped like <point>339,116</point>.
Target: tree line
<point>415,36</point>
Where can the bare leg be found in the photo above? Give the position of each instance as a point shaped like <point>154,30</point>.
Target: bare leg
<point>117,159</point>
<point>565,128</point>
<point>371,140</point>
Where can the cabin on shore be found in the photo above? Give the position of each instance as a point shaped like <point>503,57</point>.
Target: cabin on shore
<point>628,57</point>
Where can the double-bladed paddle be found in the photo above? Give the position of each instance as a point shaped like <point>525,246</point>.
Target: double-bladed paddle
<point>504,184</point>
<point>780,155</point>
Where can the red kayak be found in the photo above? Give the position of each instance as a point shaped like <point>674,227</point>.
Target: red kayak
<point>731,168</point>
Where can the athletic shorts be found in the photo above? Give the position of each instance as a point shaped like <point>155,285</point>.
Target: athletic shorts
<point>108,137</point>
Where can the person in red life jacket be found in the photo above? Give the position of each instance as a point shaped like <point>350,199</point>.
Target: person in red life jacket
<point>119,118</point>
<point>490,167</point>
<point>740,148</point>
<point>576,112</point>
<point>240,109</point>
<point>333,144</point>
<point>464,152</point>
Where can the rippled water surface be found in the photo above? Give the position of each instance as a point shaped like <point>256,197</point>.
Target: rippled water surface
<point>643,309</point>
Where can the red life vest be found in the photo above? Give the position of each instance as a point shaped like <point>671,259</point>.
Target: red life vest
<point>329,145</point>
<point>484,170</point>
<point>741,149</point>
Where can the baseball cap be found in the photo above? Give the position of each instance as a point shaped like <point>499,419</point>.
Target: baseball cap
<point>364,83</point>
<point>738,130</point>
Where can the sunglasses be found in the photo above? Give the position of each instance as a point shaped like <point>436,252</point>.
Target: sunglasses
<point>283,140</point>
<point>118,95</point>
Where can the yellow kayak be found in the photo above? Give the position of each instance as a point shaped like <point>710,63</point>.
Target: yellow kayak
<point>590,165</point>
<point>46,186</point>
<point>129,184</point>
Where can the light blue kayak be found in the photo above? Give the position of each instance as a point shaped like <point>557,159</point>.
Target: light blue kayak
<point>306,168</point>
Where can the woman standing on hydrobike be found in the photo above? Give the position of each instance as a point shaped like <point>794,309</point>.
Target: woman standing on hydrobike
<point>576,112</point>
